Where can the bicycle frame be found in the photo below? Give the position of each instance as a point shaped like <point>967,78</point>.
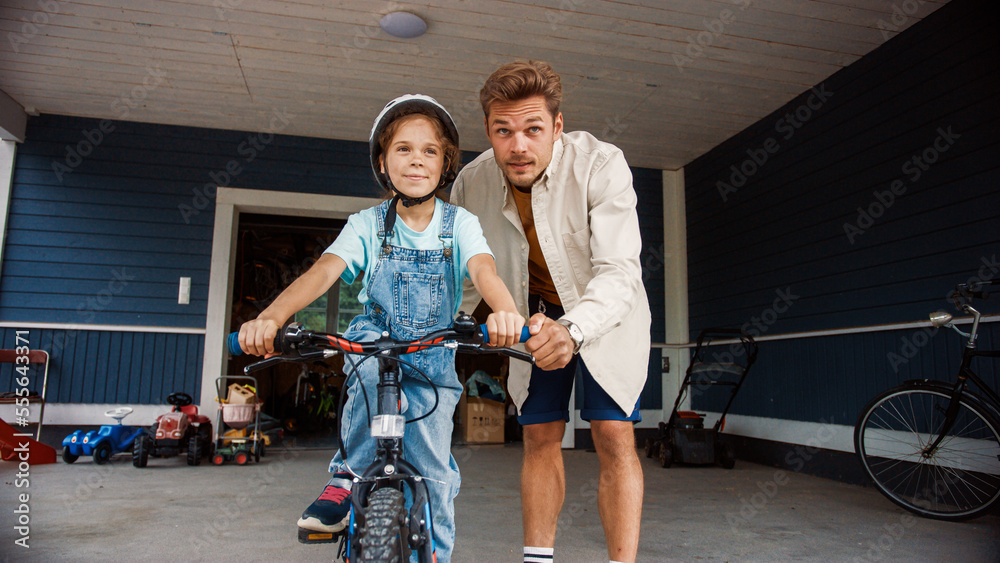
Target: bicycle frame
<point>389,468</point>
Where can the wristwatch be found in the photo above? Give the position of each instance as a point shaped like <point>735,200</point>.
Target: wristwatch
<point>574,332</point>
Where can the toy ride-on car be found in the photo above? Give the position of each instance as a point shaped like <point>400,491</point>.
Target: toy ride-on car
<point>109,440</point>
<point>182,430</point>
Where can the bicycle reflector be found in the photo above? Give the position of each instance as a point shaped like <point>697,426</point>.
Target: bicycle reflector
<point>388,426</point>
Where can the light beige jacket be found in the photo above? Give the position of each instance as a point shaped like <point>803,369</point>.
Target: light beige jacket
<point>585,217</point>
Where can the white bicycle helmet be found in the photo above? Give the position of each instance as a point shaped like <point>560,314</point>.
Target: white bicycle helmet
<point>407,104</point>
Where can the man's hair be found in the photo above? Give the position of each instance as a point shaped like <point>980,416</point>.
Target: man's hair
<point>519,80</point>
<point>450,151</point>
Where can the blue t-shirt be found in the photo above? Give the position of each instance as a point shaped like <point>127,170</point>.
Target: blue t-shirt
<point>359,244</point>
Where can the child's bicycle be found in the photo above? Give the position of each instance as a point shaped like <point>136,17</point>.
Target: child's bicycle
<point>380,528</point>
<point>933,447</point>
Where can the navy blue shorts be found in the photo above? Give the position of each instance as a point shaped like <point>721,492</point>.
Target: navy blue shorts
<point>549,391</point>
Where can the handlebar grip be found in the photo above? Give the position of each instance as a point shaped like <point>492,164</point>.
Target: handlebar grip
<point>233,344</point>
<point>525,335</point>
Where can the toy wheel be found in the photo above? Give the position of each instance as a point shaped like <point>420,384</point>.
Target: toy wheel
<point>652,447</point>
<point>218,459</point>
<point>140,450</point>
<point>102,453</point>
<point>68,456</point>
<point>666,455</point>
<point>195,452</point>
<point>205,435</point>
<point>726,454</point>
<point>241,458</point>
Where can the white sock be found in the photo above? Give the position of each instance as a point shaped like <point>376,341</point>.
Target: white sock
<point>538,554</point>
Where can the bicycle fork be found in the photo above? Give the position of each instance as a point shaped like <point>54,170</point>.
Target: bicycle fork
<point>951,413</point>
<point>389,469</point>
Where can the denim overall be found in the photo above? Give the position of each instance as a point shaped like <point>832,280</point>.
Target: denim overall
<point>411,293</point>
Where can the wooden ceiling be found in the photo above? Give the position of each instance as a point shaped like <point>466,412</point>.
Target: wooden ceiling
<point>666,80</point>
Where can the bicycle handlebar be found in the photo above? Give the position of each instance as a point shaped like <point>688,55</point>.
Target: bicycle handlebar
<point>303,344</point>
<point>970,291</point>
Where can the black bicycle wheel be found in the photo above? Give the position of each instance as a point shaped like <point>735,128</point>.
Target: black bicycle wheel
<point>959,479</point>
<point>381,538</point>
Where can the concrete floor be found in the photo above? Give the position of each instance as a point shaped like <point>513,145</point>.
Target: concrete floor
<point>172,512</point>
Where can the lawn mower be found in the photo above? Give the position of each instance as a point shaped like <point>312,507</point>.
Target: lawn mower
<point>684,438</point>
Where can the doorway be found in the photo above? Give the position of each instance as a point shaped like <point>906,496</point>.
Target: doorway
<point>272,251</point>
<point>298,223</point>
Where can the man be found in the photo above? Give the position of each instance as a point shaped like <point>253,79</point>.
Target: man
<point>559,211</point>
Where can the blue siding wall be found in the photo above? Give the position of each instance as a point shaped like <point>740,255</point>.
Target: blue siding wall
<point>89,366</point>
<point>649,187</point>
<point>106,216</point>
<point>105,241</point>
<point>861,202</point>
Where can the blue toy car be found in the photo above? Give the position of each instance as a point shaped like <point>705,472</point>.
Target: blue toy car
<point>104,443</point>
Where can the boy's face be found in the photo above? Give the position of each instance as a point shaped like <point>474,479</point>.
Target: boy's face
<point>414,158</point>
<point>522,134</point>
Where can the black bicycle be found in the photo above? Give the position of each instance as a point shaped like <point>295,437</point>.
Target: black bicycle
<point>380,528</point>
<point>933,447</point>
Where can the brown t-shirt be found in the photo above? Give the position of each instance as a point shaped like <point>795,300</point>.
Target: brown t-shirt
<point>539,279</point>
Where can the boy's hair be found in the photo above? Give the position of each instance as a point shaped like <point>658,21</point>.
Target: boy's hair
<point>519,80</point>
<point>449,149</point>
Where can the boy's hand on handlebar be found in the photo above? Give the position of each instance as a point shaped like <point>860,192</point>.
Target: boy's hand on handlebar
<point>257,337</point>
<point>550,343</point>
<point>504,328</point>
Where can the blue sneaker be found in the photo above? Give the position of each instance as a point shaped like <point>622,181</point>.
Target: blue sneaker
<point>329,514</point>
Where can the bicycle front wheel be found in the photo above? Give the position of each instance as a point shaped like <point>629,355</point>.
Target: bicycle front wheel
<point>957,480</point>
<point>382,539</point>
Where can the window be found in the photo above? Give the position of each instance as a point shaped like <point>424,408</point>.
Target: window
<point>340,303</point>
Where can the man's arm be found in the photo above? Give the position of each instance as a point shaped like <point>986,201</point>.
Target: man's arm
<point>615,247</point>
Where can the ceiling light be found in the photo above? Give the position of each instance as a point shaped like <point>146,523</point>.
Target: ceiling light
<point>403,24</point>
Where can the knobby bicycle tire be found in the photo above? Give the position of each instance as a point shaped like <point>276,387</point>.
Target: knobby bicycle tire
<point>381,539</point>
<point>959,480</point>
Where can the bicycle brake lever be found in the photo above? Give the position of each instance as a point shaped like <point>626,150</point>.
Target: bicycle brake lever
<point>516,354</point>
<point>257,366</point>
<point>273,360</point>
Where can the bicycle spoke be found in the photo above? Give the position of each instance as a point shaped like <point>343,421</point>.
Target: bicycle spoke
<point>959,478</point>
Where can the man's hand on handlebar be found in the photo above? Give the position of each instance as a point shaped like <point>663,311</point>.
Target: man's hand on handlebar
<point>550,343</point>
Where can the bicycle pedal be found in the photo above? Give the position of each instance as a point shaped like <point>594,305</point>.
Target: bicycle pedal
<point>313,537</point>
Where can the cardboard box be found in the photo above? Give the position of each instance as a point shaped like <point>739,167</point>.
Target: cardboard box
<point>482,420</point>
<point>240,395</point>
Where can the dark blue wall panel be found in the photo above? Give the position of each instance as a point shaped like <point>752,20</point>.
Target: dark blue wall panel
<point>88,366</point>
<point>649,187</point>
<point>868,213</point>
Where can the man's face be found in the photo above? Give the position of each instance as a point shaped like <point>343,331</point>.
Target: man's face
<point>522,133</point>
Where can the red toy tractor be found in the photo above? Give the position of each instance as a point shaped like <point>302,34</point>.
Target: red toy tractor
<point>182,430</point>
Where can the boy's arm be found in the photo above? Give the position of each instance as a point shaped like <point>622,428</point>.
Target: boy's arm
<point>504,324</point>
<point>257,336</point>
